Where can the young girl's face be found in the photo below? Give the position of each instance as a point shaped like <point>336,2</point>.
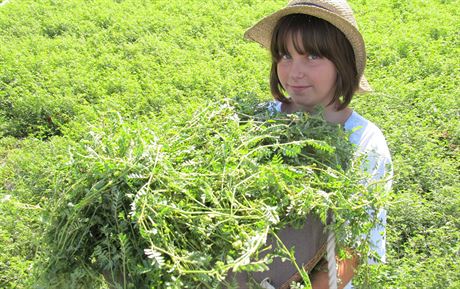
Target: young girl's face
<point>308,79</point>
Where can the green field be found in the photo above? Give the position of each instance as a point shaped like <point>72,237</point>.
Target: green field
<point>78,74</point>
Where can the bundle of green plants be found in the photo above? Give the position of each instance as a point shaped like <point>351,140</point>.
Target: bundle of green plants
<point>179,201</point>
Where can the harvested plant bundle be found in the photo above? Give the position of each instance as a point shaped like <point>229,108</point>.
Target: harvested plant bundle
<point>178,202</point>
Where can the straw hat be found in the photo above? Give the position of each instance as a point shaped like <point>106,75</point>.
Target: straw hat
<point>336,12</point>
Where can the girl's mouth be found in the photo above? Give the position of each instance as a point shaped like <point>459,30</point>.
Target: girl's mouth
<point>298,88</point>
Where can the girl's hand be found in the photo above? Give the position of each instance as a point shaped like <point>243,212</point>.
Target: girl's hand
<point>345,271</point>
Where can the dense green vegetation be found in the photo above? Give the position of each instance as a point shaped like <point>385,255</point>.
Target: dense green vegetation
<point>81,73</point>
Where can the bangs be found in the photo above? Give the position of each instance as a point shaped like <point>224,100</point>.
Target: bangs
<point>306,34</point>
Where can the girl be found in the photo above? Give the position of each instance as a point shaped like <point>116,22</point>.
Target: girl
<point>318,59</point>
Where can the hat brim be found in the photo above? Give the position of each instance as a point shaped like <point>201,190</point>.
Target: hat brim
<point>262,31</point>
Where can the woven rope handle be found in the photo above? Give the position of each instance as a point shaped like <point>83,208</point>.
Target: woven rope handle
<point>331,261</point>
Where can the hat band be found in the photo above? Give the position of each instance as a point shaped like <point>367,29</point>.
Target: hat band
<point>309,4</point>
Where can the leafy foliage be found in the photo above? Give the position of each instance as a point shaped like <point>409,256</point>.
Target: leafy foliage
<point>177,205</point>
<point>65,66</point>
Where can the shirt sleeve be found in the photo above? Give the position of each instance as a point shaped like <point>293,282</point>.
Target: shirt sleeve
<point>379,166</point>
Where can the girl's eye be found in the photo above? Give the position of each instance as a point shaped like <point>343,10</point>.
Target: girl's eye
<point>285,56</point>
<point>313,56</point>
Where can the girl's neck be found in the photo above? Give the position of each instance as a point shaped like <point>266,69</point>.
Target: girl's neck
<point>331,114</point>
<point>338,116</point>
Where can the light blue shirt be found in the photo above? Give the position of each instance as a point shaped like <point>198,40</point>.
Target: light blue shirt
<point>370,141</point>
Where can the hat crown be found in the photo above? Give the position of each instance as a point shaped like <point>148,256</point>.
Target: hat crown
<point>339,7</point>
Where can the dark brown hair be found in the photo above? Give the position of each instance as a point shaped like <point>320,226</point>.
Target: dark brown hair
<point>323,39</point>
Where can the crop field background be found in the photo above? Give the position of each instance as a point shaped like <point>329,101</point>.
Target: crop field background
<point>72,69</point>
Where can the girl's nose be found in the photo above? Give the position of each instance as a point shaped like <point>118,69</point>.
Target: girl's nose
<point>297,70</point>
